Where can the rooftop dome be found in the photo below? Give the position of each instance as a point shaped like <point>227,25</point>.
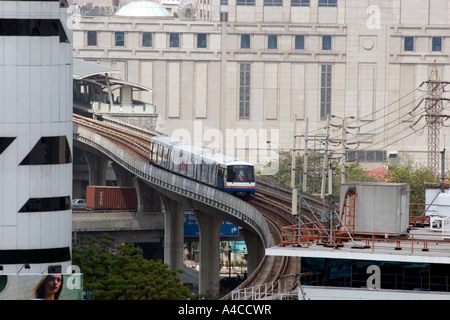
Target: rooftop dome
<point>143,9</point>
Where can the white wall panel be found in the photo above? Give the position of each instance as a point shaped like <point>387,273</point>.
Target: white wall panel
<point>36,56</point>
<point>36,92</point>
<point>10,94</point>
<point>24,99</point>
<point>23,50</point>
<point>46,94</point>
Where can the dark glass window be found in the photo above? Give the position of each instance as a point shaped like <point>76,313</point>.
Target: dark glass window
<point>273,3</point>
<point>366,156</point>
<point>245,2</point>
<point>327,3</point>
<point>201,40</point>
<point>326,42</point>
<point>4,143</point>
<point>409,44</point>
<point>119,39</point>
<point>325,91</point>
<point>299,3</point>
<point>92,38</point>
<point>46,204</point>
<point>33,28</point>
<point>224,16</point>
<point>223,2</point>
<point>436,44</point>
<point>147,40</point>
<point>49,150</point>
<point>299,42</point>
<point>245,41</point>
<point>174,40</point>
<point>242,173</point>
<point>272,41</point>
<point>244,90</point>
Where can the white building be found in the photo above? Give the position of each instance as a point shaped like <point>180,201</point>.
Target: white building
<point>35,137</point>
<point>261,68</point>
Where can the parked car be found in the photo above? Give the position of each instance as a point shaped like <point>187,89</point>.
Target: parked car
<point>78,203</point>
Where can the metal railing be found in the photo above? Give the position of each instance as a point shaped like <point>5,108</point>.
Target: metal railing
<point>413,242</point>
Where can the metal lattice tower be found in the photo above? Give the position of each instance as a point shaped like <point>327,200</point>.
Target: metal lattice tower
<point>434,107</point>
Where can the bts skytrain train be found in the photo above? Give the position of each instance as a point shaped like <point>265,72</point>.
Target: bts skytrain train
<point>215,169</point>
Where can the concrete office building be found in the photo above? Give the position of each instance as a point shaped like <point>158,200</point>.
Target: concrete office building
<point>35,137</point>
<point>264,68</point>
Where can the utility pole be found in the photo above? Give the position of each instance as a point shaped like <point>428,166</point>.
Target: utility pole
<point>325,159</point>
<point>294,189</point>
<point>305,156</point>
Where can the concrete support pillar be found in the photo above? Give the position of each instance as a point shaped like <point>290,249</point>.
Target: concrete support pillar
<point>97,169</point>
<point>173,233</point>
<point>123,177</point>
<point>209,227</point>
<point>255,249</point>
<point>148,199</point>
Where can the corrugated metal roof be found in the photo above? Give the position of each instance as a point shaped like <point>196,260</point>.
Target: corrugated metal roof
<point>83,69</point>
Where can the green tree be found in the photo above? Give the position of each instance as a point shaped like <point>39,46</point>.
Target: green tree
<point>122,273</point>
<point>417,177</point>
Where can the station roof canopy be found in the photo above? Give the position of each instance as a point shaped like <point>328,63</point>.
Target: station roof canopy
<point>100,75</point>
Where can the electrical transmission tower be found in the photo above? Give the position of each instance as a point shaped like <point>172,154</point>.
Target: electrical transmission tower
<point>434,106</point>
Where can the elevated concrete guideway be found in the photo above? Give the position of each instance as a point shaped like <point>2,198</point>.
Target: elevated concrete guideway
<point>179,193</point>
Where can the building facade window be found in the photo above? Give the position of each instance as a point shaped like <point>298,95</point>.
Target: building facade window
<point>4,143</point>
<point>224,16</point>
<point>223,2</point>
<point>300,3</point>
<point>244,90</point>
<point>245,2</point>
<point>49,150</point>
<point>201,40</point>
<point>245,41</point>
<point>366,156</point>
<point>273,3</point>
<point>436,44</point>
<point>119,39</point>
<point>92,38</point>
<point>325,91</point>
<point>33,28</point>
<point>327,3</point>
<point>299,42</point>
<point>408,44</point>
<point>174,40</point>
<point>326,42</point>
<point>272,41</point>
<point>46,204</point>
<point>147,39</point>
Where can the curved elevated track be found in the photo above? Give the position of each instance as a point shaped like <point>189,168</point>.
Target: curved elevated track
<point>271,200</point>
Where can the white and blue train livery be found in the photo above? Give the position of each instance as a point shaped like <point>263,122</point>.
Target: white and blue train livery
<point>215,169</point>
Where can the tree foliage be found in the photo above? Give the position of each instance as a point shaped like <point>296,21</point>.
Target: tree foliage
<point>417,177</point>
<point>122,273</point>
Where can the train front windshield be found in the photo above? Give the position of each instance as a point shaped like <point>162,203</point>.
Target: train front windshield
<point>240,173</point>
